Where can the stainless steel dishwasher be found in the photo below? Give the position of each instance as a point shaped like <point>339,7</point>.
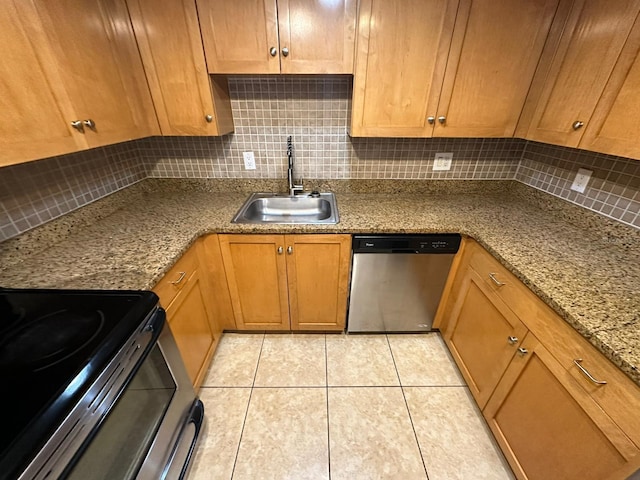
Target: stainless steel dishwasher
<point>397,281</point>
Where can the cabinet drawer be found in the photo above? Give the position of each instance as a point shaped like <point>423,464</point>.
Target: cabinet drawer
<point>619,396</point>
<point>502,282</point>
<point>177,278</point>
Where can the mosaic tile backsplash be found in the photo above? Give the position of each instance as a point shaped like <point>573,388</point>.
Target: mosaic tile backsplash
<point>315,112</point>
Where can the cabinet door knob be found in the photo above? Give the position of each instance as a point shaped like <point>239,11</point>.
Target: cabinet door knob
<point>208,118</point>
<point>289,249</point>
<point>431,120</point>
<point>273,51</point>
<point>280,250</point>
<point>587,374</point>
<point>442,120</point>
<point>512,340</point>
<point>522,351</point>
<point>77,124</point>
<point>89,123</point>
<point>577,125</point>
<point>285,52</point>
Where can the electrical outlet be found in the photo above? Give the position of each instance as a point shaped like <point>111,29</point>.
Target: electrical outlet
<point>443,161</point>
<point>249,161</point>
<point>581,180</point>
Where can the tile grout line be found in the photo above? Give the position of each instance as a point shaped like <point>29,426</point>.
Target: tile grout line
<point>246,412</point>
<point>406,404</point>
<point>326,386</point>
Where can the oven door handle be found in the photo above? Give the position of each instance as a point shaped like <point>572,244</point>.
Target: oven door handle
<point>185,445</point>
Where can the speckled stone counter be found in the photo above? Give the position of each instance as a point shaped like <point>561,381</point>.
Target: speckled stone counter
<point>590,276</point>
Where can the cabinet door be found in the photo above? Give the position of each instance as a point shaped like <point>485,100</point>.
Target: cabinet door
<point>238,36</point>
<point>318,277</point>
<point>401,56</point>
<point>36,112</point>
<point>219,298</point>
<point>548,427</point>
<point>189,322</point>
<point>257,277</point>
<point>615,125</point>
<point>97,58</point>
<point>495,50</point>
<point>171,47</point>
<point>574,70</point>
<point>482,336</point>
<point>319,36</point>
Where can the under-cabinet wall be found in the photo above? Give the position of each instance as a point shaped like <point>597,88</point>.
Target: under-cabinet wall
<point>315,110</point>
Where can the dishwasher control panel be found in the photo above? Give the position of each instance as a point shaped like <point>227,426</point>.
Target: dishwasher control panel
<point>432,243</point>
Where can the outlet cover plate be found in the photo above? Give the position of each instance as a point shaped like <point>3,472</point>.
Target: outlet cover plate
<point>581,180</point>
<point>442,161</point>
<point>249,161</point>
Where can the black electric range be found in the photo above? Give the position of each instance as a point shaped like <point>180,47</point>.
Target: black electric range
<point>53,346</point>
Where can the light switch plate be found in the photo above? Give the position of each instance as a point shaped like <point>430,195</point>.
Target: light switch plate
<point>249,161</point>
<point>443,161</point>
<point>581,180</point>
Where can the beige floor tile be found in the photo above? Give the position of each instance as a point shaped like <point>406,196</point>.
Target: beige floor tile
<point>423,360</point>
<point>292,361</point>
<point>235,361</point>
<point>360,360</point>
<point>454,439</point>
<point>285,435</point>
<point>371,436</point>
<point>225,409</point>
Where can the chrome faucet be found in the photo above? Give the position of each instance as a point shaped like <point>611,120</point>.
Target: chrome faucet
<point>293,188</point>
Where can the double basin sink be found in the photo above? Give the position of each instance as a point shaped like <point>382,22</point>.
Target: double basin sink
<point>306,208</point>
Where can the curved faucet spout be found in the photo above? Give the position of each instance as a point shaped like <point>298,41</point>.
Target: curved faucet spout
<point>293,188</point>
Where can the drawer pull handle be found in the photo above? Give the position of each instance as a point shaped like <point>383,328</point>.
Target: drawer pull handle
<point>522,351</point>
<point>289,249</point>
<point>512,340</point>
<point>493,278</point>
<point>280,250</point>
<point>180,278</point>
<point>587,374</point>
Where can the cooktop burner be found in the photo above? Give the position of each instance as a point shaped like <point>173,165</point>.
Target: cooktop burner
<point>66,332</point>
<point>53,345</point>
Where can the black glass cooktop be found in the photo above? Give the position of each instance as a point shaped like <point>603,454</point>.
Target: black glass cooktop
<point>53,345</point>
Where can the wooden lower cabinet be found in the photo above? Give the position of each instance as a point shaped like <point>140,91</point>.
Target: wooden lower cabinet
<point>282,282</point>
<point>188,294</point>
<point>517,356</point>
<point>549,427</point>
<point>483,336</point>
<point>190,324</point>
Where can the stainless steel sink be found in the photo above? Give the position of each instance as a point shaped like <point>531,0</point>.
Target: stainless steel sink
<point>310,208</point>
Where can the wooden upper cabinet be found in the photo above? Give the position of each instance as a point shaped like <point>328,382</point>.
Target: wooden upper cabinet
<point>239,36</point>
<point>96,57</point>
<point>400,62</point>
<point>583,47</point>
<point>168,36</point>
<point>288,36</point>
<point>36,111</point>
<point>615,125</point>
<point>446,68</point>
<point>318,278</point>
<point>319,35</point>
<point>494,53</point>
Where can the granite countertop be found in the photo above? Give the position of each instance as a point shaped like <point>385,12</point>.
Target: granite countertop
<point>590,279</point>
